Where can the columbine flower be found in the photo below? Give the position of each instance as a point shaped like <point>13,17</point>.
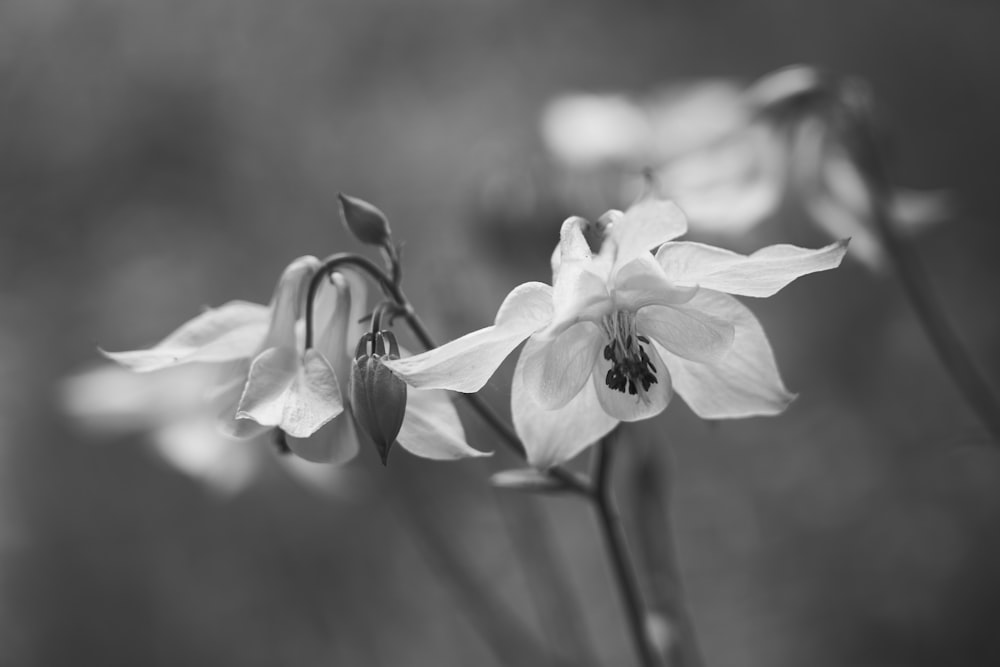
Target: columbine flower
<point>264,379</point>
<point>620,330</point>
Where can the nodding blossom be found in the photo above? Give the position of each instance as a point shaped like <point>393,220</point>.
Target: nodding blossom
<point>621,329</point>
<point>264,378</point>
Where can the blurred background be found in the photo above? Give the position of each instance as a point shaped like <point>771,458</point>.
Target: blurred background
<point>160,156</point>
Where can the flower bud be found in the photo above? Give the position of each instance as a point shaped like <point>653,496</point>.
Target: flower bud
<point>378,397</point>
<point>368,224</point>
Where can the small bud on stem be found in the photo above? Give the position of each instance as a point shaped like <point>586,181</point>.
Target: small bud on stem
<point>377,396</point>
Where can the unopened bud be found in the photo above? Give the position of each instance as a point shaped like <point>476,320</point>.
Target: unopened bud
<point>378,397</point>
<point>368,224</point>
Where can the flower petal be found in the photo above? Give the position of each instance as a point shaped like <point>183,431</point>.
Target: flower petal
<point>627,407</point>
<point>336,442</point>
<point>645,226</point>
<point>642,282</point>
<point>554,436</point>
<point>431,428</point>
<point>340,305</point>
<point>465,364</point>
<point>761,274</point>
<point>691,331</point>
<point>557,370</point>
<point>288,301</point>
<point>231,331</point>
<point>743,383</point>
<point>578,295</point>
<point>296,394</point>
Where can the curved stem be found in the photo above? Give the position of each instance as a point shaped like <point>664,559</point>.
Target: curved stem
<point>949,347</point>
<point>613,531</point>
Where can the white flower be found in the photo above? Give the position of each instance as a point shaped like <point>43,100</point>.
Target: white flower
<point>620,330</point>
<point>264,380</point>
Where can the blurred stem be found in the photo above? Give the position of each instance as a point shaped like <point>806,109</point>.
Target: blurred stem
<point>507,638</point>
<point>949,347</point>
<point>613,531</point>
<point>652,493</point>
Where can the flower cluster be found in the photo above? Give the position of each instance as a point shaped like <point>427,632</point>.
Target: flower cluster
<point>263,377</point>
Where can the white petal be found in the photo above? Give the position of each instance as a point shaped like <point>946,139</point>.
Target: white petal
<point>465,364</point>
<point>552,437</point>
<point>557,371</point>
<point>628,407</point>
<point>691,331</point>
<point>431,428</point>
<point>227,422</point>
<point>289,298</point>
<point>761,274</point>
<point>645,226</point>
<point>336,442</point>
<point>743,383</point>
<point>642,282</point>
<point>197,449</point>
<point>232,331</point>
<point>338,311</point>
<point>314,397</point>
<point>578,295</point>
<point>296,394</point>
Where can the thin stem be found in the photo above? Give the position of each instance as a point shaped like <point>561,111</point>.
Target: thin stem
<point>949,347</point>
<point>613,531</point>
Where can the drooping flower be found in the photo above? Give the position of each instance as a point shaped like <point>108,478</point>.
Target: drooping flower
<point>620,330</point>
<point>260,358</point>
<point>264,379</point>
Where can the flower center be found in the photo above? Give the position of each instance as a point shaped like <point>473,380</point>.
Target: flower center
<point>631,368</point>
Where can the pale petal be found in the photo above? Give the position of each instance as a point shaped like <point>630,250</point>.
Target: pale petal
<point>232,331</point>
<point>228,424</point>
<point>431,428</point>
<point>336,442</point>
<point>271,373</point>
<point>465,364</point>
<point>761,274</point>
<point>296,394</point>
<point>627,407</point>
<point>557,370</point>
<point>552,437</point>
<point>642,282</point>
<point>743,383</point>
<point>313,398</point>
<point>692,331</point>
<point>198,450</point>
<point>289,298</point>
<point>339,309</point>
<point>578,295</point>
<point>645,226</point>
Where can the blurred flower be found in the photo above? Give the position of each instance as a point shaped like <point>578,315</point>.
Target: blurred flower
<point>730,156</point>
<point>620,330</point>
<point>169,404</point>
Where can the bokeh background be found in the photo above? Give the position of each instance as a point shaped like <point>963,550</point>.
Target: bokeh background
<point>160,156</point>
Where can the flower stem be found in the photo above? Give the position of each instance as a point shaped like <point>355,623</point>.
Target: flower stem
<point>613,531</point>
<point>949,347</point>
